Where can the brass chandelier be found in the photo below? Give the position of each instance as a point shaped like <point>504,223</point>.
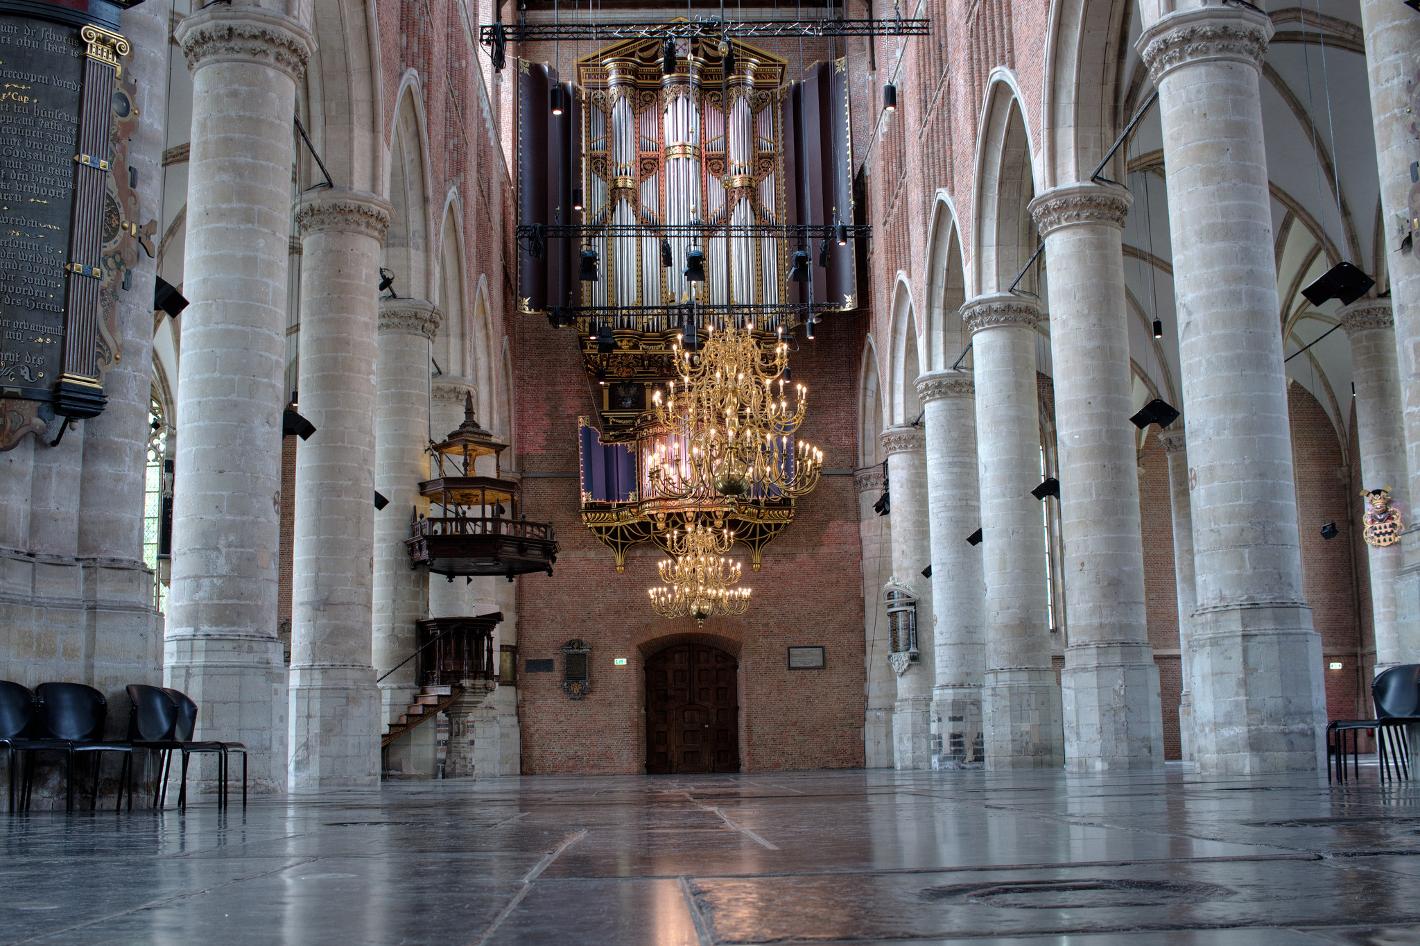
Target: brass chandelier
<point>698,580</point>
<point>727,426</point>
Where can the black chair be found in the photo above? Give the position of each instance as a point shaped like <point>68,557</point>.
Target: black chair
<point>183,728</point>
<point>17,719</point>
<point>70,718</point>
<point>1396,693</point>
<point>153,726</point>
<point>1340,732</point>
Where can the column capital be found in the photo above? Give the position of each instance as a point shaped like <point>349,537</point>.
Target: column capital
<point>1202,33</point>
<point>999,310</point>
<point>869,479</point>
<point>451,390</point>
<point>1174,439</point>
<point>1367,314</point>
<point>934,385</point>
<point>224,33</point>
<point>903,440</point>
<point>409,317</point>
<point>1073,204</point>
<point>344,211</point>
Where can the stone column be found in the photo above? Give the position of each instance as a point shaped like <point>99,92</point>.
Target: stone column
<point>1110,684</point>
<point>1259,706</point>
<point>1393,63</point>
<point>1175,446</point>
<point>1379,431</point>
<point>1021,716</point>
<point>222,647</point>
<point>958,619</point>
<point>334,721</point>
<point>911,553</point>
<point>874,534</point>
<point>406,329</point>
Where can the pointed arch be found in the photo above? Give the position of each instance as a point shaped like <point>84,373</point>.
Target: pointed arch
<point>904,364</point>
<point>944,339</point>
<point>483,370</point>
<point>1084,62</point>
<point>341,97</point>
<point>1004,235</point>
<point>870,407</point>
<point>452,348</point>
<point>407,244</point>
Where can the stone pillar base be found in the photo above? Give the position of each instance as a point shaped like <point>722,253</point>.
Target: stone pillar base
<point>1185,726</point>
<point>912,733</point>
<point>1258,702</point>
<point>957,739</point>
<point>239,685</point>
<point>1021,718</point>
<point>335,732</point>
<point>484,741</point>
<point>877,738</point>
<point>1110,701</point>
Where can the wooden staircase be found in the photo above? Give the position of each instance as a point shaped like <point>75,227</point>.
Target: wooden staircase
<point>431,701</point>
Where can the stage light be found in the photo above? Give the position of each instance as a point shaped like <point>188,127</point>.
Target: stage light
<point>695,264</point>
<point>588,269</point>
<point>666,259</point>
<point>823,254</point>
<point>1158,328</point>
<point>842,233</point>
<point>799,268</point>
<point>890,98</point>
<point>1329,530</point>
<point>556,95</point>
<point>606,341</point>
<point>499,53</point>
<point>577,199</point>
<point>668,57</point>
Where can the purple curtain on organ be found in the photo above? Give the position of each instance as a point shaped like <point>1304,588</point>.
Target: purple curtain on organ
<point>818,161</point>
<point>608,469</point>
<point>549,162</point>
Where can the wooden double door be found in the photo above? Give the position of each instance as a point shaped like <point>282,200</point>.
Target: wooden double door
<point>692,711</point>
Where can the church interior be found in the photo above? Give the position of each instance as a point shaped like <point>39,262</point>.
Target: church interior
<point>525,473</point>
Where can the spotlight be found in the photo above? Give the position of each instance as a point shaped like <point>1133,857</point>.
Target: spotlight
<point>500,47</point>
<point>809,327</point>
<point>1329,531</point>
<point>588,270</point>
<point>1155,412</point>
<point>1049,486</point>
<point>380,501</point>
<point>1342,281</point>
<point>927,572</point>
<point>842,233</point>
<point>577,199</point>
<point>293,424</point>
<point>695,264</point>
<point>666,259</point>
<point>668,60</point>
<point>974,538</point>
<point>890,98</point>
<point>387,283</point>
<point>799,268</point>
<point>556,96</point>
<point>606,341</point>
<point>729,60</point>
<point>823,255</point>
<point>167,298</point>
<point>557,317</point>
<point>884,504</point>
<point>1158,328</point>
<point>537,240</point>
<point>689,335</point>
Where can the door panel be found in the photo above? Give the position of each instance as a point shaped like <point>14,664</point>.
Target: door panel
<point>692,712</point>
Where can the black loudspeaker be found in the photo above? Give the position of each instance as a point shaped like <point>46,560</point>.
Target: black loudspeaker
<point>974,538</point>
<point>380,501</point>
<point>1329,531</point>
<point>1049,486</point>
<point>1342,281</point>
<point>927,572</point>
<point>293,423</point>
<point>167,298</point>
<point>1155,412</point>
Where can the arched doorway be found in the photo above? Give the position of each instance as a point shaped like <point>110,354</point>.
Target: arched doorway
<point>692,710</point>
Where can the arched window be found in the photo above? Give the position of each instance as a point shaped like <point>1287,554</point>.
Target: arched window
<point>157,501</point>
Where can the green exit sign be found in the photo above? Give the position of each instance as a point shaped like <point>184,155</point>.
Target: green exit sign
<point>618,661</point>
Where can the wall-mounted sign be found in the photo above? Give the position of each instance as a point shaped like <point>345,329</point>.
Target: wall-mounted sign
<point>618,661</point>
<point>59,65</point>
<point>806,658</point>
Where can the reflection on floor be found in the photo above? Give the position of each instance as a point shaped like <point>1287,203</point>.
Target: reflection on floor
<point>825,857</point>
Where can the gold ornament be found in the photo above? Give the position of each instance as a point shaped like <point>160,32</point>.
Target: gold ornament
<point>1382,522</point>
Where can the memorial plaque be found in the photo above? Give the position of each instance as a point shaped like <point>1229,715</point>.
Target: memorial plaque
<point>41,81</point>
<point>806,658</point>
<point>539,665</point>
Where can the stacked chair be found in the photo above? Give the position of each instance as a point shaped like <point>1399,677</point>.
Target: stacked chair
<point>68,719</point>
<point>1396,695</point>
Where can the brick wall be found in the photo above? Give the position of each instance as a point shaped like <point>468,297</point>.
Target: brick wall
<point>809,591</point>
<point>1160,589</point>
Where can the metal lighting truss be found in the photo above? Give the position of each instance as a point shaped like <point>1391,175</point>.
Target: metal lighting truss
<point>700,28</point>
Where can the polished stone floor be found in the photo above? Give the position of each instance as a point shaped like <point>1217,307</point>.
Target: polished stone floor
<point>824,857</point>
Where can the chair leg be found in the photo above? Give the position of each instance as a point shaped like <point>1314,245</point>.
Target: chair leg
<point>10,772</point>
<point>166,769</point>
<point>98,768</point>
<point>244,780</point>
<point>1356,753</point>
<point>182,791</point>
<point>125,783</point>
<point>69,780</point>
